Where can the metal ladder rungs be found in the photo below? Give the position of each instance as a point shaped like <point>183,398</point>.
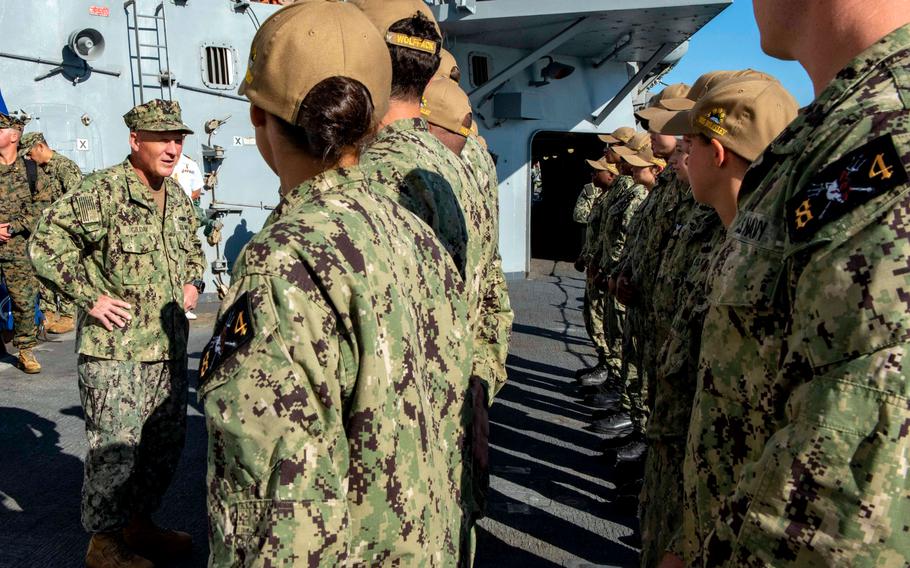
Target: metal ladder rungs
<point>142,29</point>
<point>149,17</point>
<point>155,45</point>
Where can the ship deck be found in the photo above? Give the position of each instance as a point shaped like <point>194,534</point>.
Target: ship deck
<point>552,499</point>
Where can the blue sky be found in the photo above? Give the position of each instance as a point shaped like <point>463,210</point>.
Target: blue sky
<point>731,41</point>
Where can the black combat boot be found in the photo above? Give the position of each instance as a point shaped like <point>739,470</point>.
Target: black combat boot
<point>596,378</point>
<point>614,426</point>
<point>632,452</point>
<point>608,398</point>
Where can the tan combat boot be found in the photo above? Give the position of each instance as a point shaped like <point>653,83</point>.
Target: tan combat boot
<point>107,550</point>
<point>61,324</point>
<point>28,363</point>
<point>50,318</point>
<point>143,536</point>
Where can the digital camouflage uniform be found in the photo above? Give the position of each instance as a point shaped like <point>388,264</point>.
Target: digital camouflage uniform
<point>335,388</point>
<point>625,198</point>
<point>594,296</point>
<point>649,231</point>
<point>589,195</point>
<point>107,237</point>
<point>679,297</point>
<point>409,165</point>
<point>63,176</point>
<point>488,296</point>
<point>798,447</point>
<point>21,208</point>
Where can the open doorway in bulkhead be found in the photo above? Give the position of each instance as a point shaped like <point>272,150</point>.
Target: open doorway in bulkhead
<point>558,174</point>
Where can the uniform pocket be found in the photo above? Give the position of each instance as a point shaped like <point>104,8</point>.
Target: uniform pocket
<point>136,260</point>
<point>283,533</point>
<point>746,275</point>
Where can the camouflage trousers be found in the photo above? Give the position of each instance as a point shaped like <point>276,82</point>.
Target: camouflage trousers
<point>661,499</point>
<point>593,311</point>
<point>55,303</point>
<point>23,285</point>
<point>135,422</point>
<point>614,317</point>
<point>635,348</point>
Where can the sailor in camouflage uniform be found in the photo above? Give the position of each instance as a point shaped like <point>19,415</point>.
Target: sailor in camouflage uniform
<point>808,465</point>
<point>635,270</point>
<point>405,162</point>
<point>19,210</point>
<point>448,113</point>
<point>679,303</point>
<point>608,355</point>
<point>63,175</point>
<point>646,169</point>
<point>335,387</point>
<point>123,248</point>
<point>603,177</point>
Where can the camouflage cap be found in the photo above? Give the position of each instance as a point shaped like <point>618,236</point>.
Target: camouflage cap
<point>306,43</point>
<point>445,105</point>
<point>384,14</point>
<point>603,165</point>
<point>745,116</point>
<point>16,120</point>
<point>675,91</point>
<point>619,136</point>
<point>30,139</point>
<point>635,145</point>
<point>156,116</point>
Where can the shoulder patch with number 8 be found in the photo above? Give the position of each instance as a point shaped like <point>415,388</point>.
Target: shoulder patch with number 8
<point>856,178</point>
<point>234,330</point>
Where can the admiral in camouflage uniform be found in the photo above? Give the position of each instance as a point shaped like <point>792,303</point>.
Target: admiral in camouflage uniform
<point>119,240</point>
<point>807,467</point>
<point>20,206</point>
<point>63,175</point>
<point>336,385</point>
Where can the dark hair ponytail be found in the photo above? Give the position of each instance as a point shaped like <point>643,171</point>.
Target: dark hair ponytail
<point>336,114</point>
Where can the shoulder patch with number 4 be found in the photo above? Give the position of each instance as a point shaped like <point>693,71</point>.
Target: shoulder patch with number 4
<point>233,332</point>
<point>856,178</point>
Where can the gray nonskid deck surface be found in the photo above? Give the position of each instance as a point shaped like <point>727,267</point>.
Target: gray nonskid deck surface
<point>550,502</point>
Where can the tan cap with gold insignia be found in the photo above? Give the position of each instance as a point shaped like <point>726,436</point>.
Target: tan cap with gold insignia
<point>448,67</point>
<point>675,91</point>
<point>636,144</point>
<point>603,165</point>
<point>446,105</point>
<point>645,158</point>
<point>619,136</point>
<point>306,43</point>
<point>744,115</point>
<point>384,13</point>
